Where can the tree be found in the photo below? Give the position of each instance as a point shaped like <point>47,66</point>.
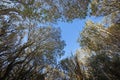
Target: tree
<point>46,10</point>
<point>104,61</point>
<point>108,8</point>
<point>21,60</point>
<point>72,67</point>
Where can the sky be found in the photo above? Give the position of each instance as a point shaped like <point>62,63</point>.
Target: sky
<point>70,32</point>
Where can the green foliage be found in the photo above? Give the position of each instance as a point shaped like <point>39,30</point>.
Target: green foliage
<point>105,7</point>
<point>108,8</point>
<point>104,46</point>
<point>26,60</point>
<point>48,11</point>
<point>25,49</point>
<point>72,68</point>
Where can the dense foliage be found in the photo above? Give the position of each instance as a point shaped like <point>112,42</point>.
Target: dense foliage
<point>30,47</point>
<point>103,64</point>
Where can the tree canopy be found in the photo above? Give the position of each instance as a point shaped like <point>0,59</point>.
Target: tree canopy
<point>30,47</point>
<point>104,50</point>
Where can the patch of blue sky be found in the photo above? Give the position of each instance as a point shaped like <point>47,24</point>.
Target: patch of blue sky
<point>71,30</point>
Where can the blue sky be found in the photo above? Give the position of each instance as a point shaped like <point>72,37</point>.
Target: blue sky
<point>70,32</point>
